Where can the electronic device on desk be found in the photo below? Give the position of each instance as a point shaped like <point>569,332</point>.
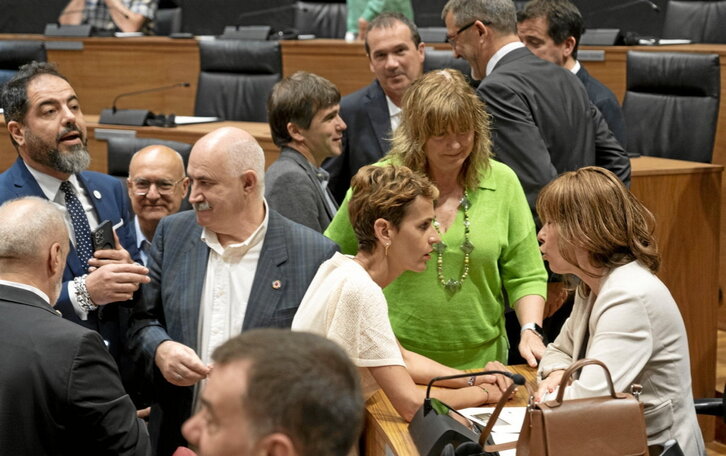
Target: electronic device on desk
<point>246,32</point>
<point>138,117</point>
<point>434,430</point>
<point>78,31</point>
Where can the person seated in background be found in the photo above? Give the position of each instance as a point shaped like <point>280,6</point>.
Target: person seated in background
<point>278,392</point>
<point>362,12</point>
<point>392,212</point>
<point>60,389</point>
<point>111,15</point>
<point>453,310</point>
<point>551,29</point>
<point>624,316</point>
<point>157,185</point>
<point>304,116</point>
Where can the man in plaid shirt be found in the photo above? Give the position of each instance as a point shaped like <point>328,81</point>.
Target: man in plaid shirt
<point>111,15</point>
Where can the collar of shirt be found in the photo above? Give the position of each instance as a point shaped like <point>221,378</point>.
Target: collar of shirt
<point>394,112</point>
<point>51,186</point>
<point>140,238</point>
<point>27,287</point>
<point>575,68</point>
<point>234,252</point>
<point>504,50</point>
<point>323,176</point>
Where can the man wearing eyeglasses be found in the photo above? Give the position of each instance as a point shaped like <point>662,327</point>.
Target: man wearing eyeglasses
<point>157,185</point>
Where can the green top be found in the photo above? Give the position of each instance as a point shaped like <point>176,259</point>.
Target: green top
<point>369,9</point>
<point>465,329</point>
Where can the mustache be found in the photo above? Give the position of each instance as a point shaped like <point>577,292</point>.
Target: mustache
<point>203,206</point>
<point>71,128</point>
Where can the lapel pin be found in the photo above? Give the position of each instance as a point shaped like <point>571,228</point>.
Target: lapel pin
<point>276,284</point>
<point>97,194</point>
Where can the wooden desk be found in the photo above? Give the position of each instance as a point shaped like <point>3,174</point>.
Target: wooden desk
<point>387,433</point>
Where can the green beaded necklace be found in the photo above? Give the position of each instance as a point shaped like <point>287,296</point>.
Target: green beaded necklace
<point>453,285</point>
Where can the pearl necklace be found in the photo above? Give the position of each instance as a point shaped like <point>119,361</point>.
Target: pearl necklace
<point>453,285</point>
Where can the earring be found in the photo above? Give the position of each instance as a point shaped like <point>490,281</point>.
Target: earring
<point>385,250</point>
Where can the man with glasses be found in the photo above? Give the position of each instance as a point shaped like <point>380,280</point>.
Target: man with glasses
<point>46,125</point>
<point>157,185</point>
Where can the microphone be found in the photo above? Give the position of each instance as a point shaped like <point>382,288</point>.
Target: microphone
<point>132,117</point>
<point>431,432</point>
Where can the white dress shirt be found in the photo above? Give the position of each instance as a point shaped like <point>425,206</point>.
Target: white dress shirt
<point>504,50</point>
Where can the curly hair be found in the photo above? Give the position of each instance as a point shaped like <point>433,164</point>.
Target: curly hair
<point>593,210</point>
<point>442,102</point>
<point>384,192</point>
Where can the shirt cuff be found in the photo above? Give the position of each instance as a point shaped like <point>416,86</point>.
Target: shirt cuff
<point>80,313</point>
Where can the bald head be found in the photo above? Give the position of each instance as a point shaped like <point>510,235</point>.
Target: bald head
<point>33,244</point>
<point>157,185</point>
<point>237,149</point>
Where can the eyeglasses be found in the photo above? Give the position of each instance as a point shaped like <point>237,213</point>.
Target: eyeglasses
<point>452,39</point>
<point>143,186</point>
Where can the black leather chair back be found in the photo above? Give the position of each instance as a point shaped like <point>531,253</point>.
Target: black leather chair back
<point>16,53</point>
<point>700,22</point>
<point>168,21</point>
<point>324,20</point>
<point>671,104</point>
<point>236,78</point>
<point>436,59</point>
<point>122,148</point>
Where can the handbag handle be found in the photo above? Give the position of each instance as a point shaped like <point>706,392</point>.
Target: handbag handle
<point>493,419</point>
<point>574,367</point>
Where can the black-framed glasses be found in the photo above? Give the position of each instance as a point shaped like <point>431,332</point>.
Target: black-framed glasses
<point>143,186</point>
<point>452,39</point>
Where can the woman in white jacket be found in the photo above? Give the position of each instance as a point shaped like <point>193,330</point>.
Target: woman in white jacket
<point>624,316</point>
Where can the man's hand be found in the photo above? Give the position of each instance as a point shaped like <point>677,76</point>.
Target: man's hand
<point>531,347</point>
<point>179,364</point>
<point>110,256</point>
<point>549,384</point>
<point>115,282</point>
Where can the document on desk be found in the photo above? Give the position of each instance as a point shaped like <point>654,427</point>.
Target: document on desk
<point>188,120</point>
<point>507,427</point>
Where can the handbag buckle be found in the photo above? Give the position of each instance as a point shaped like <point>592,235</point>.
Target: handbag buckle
<point>636,389</point>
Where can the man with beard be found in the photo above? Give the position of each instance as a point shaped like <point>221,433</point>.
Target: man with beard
<point>47,128</point>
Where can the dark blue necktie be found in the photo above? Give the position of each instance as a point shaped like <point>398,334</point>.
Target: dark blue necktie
<point>81,228</point>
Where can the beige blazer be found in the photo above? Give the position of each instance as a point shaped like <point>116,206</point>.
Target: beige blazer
<point>636,329</point>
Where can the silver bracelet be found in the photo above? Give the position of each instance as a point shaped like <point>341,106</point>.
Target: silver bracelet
<point>82,294</point>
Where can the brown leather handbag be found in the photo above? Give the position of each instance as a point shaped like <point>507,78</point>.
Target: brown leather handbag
<point>611,425</point>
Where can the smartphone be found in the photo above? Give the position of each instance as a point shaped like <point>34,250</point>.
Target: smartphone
<point>103,236</point>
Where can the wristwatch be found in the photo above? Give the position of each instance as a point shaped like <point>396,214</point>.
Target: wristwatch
<point>533,327</point>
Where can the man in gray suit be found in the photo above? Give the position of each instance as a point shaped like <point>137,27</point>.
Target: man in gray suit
<point>395,55</point>
<point>543,122</point>
<point>551,29</point>
<point>230,265</point>
<point>304,115</point>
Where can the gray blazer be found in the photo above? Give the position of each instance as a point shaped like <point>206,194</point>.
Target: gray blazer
<point>365,141</point>
<point>544,124</point>
<point>169,308</point>
<point>635,328</point>
<point>292,188</point>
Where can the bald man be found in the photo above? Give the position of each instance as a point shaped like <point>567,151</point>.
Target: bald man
<point>233,264</point>
<point>60,389</point>
<point>157,185</point>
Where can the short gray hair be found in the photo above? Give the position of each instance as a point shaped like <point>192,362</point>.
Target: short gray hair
<point>26,225</point>
<point>246,154</point>
<point>500,14</point>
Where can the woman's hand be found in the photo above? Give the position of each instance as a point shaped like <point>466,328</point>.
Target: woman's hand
<point>549,384</point>
<point>501,382</point>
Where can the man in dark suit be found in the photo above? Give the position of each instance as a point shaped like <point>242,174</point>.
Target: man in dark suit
<point>395,55</point>
<point>230,265</point>
<point>304,115</point>
<point>59,387</point>
<point>543,122</point>
<point>47,128</point>
<point>551,29</point>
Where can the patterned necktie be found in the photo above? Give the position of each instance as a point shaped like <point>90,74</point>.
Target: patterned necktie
<point>81,228</point>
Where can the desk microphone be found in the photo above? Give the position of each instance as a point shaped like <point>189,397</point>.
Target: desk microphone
<point>132,117</point>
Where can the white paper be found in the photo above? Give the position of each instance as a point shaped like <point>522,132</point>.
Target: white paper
<point>186,120</point>
<point>509,421</point>
<point>665,42</point>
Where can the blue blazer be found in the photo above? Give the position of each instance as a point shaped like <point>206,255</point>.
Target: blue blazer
<point>169,308</point>
<point>366,140</point>
<point>107,196</point>
<point>606,101</point>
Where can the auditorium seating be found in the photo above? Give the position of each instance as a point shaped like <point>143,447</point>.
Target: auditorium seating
<point>168,21</point>
<point>324,20</point>
<point>15,53</point>
<point>700,22</point>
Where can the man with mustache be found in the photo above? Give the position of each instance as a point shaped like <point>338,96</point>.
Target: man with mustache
<point>47,128</point>
<point>304,116</point>
<point>395,55</point>
<point>157,185</point>
<point>230,265</point>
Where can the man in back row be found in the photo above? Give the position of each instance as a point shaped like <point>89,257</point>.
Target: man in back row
<point>551,29</point>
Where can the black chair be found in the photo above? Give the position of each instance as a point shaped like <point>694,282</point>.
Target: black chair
<point>671,104</point>
<point>168,21</point>
<point>122,148</point>
<point>700,22</point>
<point>324,20</point>
<point>436,59</point>
<point>16,53</point>
<point>236,78</point>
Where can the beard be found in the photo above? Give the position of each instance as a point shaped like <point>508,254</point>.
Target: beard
<point>73,161</point>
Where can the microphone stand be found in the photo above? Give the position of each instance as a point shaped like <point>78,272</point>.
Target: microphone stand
<point>133,117</point>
